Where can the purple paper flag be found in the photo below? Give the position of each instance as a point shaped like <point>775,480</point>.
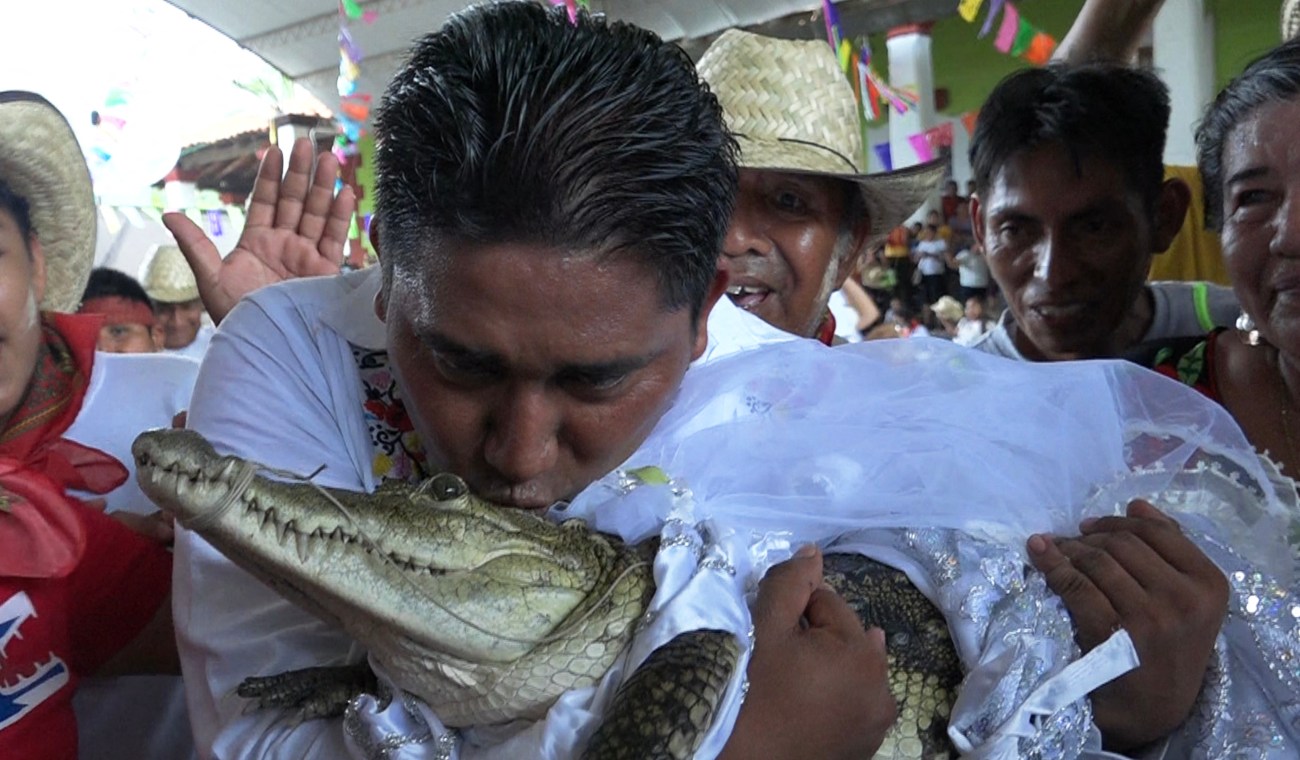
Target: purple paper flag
<point>886,159</point>
<point>1007,33</point>
<point>994,7</point>
<point>832,18</point>
<point>345,41</point>
<point>922,147</point>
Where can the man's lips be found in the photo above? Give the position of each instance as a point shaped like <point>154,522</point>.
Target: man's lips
<point>748,297</point>
<point>515,497</point>
<point>1062,313</point>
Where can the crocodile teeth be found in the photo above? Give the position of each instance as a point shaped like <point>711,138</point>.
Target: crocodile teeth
<point>283,531</point>
<point>304,546</point>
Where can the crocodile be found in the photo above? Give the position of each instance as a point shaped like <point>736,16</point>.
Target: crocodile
<point>488,614</point>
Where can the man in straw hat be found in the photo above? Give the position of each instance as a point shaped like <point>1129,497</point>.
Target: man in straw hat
<point>81,594</point>
<point>806,211</point>
<point>548,319</point>
<point>171,286</point>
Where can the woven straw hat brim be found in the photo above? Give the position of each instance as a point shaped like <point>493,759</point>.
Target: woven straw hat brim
<point>890,197</point>
<point>173,295</point>
<point>41,160</point>
<point>793,110</point>
<point>1290,19</point>
<point>168,278</point>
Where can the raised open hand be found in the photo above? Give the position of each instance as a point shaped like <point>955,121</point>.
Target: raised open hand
<point>296,227</point>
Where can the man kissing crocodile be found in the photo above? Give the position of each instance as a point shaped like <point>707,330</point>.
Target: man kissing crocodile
<point>551,200</point>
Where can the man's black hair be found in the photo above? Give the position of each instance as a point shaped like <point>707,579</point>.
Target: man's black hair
<point>512,125</point>
<point>18,208</point>
<point>1107,111</point>
<point>105,282</point>
<point>1272,78</point>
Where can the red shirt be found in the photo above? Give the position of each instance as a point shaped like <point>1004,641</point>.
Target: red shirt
<point>55,630</point>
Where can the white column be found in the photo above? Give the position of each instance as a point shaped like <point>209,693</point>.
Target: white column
<point>1183,51</point>
<point>286,132</point>
<point>911,68</point>
<point>179,194</point>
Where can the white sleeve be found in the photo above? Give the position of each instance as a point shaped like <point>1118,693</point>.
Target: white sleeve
<point>262,394</point>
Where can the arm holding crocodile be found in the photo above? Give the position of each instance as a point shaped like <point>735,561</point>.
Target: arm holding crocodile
<point>818,689</point>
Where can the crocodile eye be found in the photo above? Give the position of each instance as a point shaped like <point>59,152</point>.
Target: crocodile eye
<point>445,487</point>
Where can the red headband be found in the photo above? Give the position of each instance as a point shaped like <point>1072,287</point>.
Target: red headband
<point>118,310</point>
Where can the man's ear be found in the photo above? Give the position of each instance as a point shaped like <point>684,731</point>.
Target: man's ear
<point>976,219</point>
<point>381,298</point>
<point>856,253</point>
<point>716,289</point>
<point>1171,213</point>
<point>373,233</point>
<point>157,336</point>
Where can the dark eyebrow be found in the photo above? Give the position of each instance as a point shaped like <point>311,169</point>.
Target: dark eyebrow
<point>490,362</point>
<point>1245,174</point>
<point>463,355</point>
<point>1009,213</point>
<point>603,370</point>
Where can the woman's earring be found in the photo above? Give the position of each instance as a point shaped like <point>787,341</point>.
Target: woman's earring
<point>1246,326</point>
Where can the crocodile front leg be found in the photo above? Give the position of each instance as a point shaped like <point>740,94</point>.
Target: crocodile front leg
<point>314,692</point>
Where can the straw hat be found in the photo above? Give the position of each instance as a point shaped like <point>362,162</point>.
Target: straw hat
<point>793,110</point>
<point>948,308</point>
<point>41,161</point>
<point>168,277</point>
<point>1290,19</point>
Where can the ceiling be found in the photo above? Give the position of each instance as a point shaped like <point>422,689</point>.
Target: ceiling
<point>300,37</point>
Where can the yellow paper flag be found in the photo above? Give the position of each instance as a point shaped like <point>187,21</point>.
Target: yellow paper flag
<point>969,9</point>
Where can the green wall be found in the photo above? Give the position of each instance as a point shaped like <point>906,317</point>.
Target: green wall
<point>1243,29</point>
<point>969,67</point>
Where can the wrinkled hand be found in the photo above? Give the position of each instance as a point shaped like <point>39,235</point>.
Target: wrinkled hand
<point>159,527</point>
<point>1141,573</point>
<point>818,682</point>
<point>296,227</point>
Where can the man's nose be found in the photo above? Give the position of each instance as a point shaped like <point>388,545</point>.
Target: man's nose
<point>522,443</point>
<point>1056,262</point>
<point>746,233</point>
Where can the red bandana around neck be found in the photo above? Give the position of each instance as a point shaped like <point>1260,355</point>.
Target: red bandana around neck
<point>41,535</point>
<point>826,330</point>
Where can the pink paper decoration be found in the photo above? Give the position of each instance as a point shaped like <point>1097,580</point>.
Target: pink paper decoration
<point>922,147</point>
<point>1007,32</point>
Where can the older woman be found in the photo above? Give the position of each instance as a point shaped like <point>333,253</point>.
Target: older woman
<point>80,593</point>
<point>1250,161</point>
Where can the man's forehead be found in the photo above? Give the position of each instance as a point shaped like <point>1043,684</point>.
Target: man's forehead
<point>1052,174</point>
<point>419,277</point>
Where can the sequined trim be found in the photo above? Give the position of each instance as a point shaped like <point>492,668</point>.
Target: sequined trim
<point>383,747</point>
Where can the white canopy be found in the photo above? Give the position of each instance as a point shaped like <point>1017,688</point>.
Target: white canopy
<point>300,37</point>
